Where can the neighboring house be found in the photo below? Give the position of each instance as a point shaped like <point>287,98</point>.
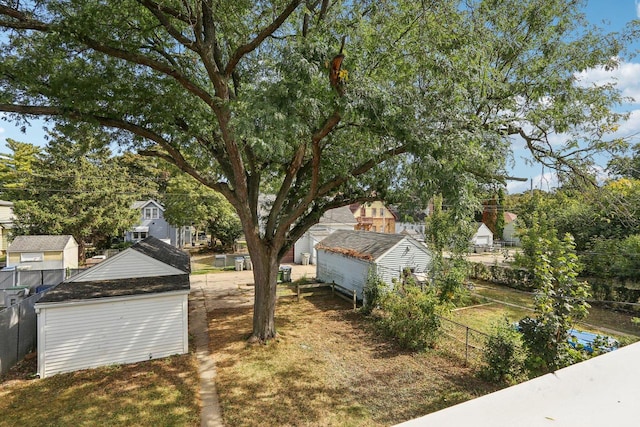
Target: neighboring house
<point>43,252</point>
<point>6,224</point>
<point>347,257</point>
<point>374,216</point>
<point>332,220</point>
<point>509,234</point>
<point>129,308</point>
<point>153,224</point>
<point>483,237</point>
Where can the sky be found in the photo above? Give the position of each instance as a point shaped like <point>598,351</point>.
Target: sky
<point>611,15</point>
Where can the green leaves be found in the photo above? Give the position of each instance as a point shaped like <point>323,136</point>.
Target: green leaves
<point>71,189</point>
<point>560,299</point>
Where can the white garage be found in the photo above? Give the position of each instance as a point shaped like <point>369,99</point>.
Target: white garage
<point>483,236</point>
<point>90,324</point>
<point>99,320</point>
<point>347,257</point>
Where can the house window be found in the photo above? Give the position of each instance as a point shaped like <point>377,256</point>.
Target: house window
<point>374,212</point>
<point>31,257</point>
<point>363,211</point>
<point>382,212</point>
<point>139,235</point>
<point>150,213</point>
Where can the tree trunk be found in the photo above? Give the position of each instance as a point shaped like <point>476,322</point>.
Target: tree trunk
<point>265,275</point>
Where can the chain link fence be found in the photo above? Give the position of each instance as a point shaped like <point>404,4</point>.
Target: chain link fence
<point>465,342</point>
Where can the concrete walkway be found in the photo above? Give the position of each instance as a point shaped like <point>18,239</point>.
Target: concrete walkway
<point>215,291</point>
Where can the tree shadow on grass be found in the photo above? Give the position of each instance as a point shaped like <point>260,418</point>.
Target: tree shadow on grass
<point>157,392</point>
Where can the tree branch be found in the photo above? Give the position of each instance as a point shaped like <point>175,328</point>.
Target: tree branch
<point>165,10</point>
<point>172,154</point>
<point>154,65</point>
<point>266,32</point>
<point>24,21</point>
<point>157,11</point>
<point>292,170</point>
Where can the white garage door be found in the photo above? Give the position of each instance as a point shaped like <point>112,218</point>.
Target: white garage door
<point>110,331</point>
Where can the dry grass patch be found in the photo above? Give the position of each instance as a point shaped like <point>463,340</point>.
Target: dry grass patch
<point>153,393</point>
<point>599,320</point>
<point>329,367</point>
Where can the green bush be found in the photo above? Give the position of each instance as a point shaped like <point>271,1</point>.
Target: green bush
<point>411,316</point>
<point>504,357</point>
<point>373,290</point>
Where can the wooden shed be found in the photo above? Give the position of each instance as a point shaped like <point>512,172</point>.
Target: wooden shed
<point>101,318</point>
<point>347,257</point>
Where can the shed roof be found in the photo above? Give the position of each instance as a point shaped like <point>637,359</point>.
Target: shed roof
<point>164,252</point>
<point>68,291</point>
<point>40,243</point>
<point>360,244</point>
<point>341,215</point>
<point>509,217</point>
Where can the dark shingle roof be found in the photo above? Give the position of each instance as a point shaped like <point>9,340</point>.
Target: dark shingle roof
<point>360,244</point>
<point>39,243</point>
<point>68,291</point>
<point>164,252</point>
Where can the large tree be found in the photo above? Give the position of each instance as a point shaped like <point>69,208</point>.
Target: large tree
<point>16,167</point>
<point>74,190</point>
<point>319,103</point>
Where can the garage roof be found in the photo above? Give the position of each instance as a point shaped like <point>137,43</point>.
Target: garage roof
<point>164,252</point>
<point>68,291</point>
<point>40,243</point>
<point>366,245</point>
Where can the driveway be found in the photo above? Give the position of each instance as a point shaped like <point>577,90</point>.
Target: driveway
<point>235,288</point>
<point>208,293</point>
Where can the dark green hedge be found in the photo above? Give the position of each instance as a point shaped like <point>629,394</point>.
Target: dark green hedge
<point>601,289</point>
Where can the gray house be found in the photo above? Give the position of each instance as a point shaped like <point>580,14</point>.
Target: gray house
<point>153,224</point>
<point>130,308</point>
<point>347,257</point>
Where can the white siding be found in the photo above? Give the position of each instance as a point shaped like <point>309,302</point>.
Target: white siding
<point>509,234</point>
<point>406,254</point>
<point>70,255</point>
<point>352,273</point>
<point>302,245</point>
<point>483,236</point>
<point>126,265</point>
<point>110,331</point>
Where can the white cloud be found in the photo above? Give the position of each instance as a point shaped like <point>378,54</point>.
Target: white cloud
<point>630,128</point>
<point>625,76</point>
<point>1,130</point>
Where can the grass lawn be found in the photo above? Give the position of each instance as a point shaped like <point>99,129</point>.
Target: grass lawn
<point>329,367</point>
<point>600,320</point>
<point>159,392</point>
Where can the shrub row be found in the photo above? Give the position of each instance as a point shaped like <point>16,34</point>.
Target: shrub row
<point>601,289</point>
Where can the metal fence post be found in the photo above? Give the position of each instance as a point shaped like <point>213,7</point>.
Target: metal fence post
<point>466,348</point>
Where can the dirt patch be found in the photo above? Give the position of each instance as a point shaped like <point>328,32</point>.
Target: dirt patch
<point>330,366</point>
